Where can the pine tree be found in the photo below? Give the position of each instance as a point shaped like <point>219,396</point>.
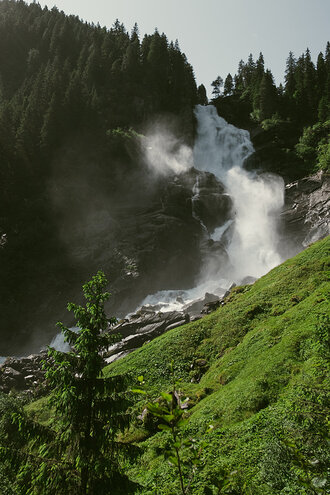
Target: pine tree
<point>249,71</point>
<point>229,85</point>
<point>324,103</point>
<point>201,95</point>
<point>268,96</point>
<point>310,82</point>
<point>321,72</point>
<point>258,74</point>
<point>238,79</point>
<point>217,85</point>
<point>290,83</point>
<point>158,66</point>
<point>80,454</point>
<point>327,56</point>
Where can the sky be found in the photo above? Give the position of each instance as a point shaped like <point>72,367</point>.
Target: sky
<point>216,34</point>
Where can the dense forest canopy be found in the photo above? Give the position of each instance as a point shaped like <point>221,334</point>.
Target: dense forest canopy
<point>304,97</point>
<point>295,116</point>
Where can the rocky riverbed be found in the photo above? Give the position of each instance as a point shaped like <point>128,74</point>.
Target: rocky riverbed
<point>26,374</point>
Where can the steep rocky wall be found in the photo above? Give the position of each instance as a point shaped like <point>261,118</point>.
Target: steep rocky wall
<point>306,217</point>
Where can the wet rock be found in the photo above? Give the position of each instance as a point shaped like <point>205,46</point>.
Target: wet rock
<point>115,357</point>
<point>196,317</point>
<point>306,216</point>
<point>211,306</point>
<point>196,307</point>
<point>22,374</point>
<point>210,207</point>
<point>247,280</point>
<point>177,324</point>
<point>142,327</point>
<point>146,321</point>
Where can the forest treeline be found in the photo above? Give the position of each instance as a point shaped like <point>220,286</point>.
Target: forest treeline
<point>294,115</point>
<point>61,77</point>
<point>67,86</point>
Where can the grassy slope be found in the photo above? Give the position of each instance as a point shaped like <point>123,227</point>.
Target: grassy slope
<point>264,385</point>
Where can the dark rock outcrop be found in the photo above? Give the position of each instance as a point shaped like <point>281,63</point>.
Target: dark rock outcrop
<point>198,307</point>
<point>167,236</point>
<point>145,235</point>
<point>23,374</point>
<point>142,327</point>
<point>149,323</point>
<point>306,217</point>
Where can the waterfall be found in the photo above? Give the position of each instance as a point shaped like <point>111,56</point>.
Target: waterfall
<point>221,148</point>
<point>251,233</point>
<point>194,199</point>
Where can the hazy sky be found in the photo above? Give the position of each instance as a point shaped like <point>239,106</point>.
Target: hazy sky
<point>216,34</point>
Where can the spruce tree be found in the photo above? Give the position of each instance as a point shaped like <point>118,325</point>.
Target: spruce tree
<point>229,85</point>
<point>268,96</point>
<point>310,81</point>
<point>80,453</point>
<point>201,95</point>
<point>217,85</point>
<point>290,83</point>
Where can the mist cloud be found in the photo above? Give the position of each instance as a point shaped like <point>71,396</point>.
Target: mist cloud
<point>164,153</point>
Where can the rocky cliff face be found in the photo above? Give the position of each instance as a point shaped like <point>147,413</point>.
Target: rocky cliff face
<point>167,238</point>
<point>150,234</point>
<point>306,216</point>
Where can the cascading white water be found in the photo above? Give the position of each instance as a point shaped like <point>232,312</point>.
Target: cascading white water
<point>195,199</point>
<point>221,148</point>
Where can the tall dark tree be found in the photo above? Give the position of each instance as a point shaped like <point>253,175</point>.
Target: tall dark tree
<point>257,76</point>
<point>229,85</point>
<point>239,78</point>
<point>158,66</point>
<point>217,85</point>
<point>310,81</point>
<point>80,453</point>
<point>268,96</point>
<point>321,73</point>
<point>290,82</point>
<point>201,95</point>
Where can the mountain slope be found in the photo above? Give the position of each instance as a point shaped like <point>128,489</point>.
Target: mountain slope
<point>259,367</point>
<point>70,93</point>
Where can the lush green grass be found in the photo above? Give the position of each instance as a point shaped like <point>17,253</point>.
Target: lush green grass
<point>40,410</point>
<point>263,389</point>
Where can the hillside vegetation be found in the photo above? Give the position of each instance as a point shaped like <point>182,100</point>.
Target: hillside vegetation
<point>254,377</point>
<point>257,371</point>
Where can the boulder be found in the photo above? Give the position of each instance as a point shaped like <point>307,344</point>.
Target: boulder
<point>142,327</point>
<point>22,374</point>
<point>196,307</point>
<point>248,280</point>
